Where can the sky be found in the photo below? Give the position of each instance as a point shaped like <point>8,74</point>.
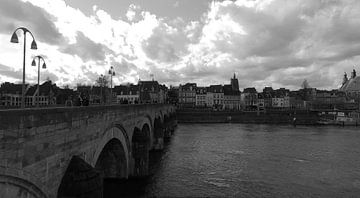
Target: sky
<point>277,43</point>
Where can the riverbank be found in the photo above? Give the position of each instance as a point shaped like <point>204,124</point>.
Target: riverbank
<point>273,117</point>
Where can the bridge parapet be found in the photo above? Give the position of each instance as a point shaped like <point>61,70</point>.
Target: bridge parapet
<point>38,144</point>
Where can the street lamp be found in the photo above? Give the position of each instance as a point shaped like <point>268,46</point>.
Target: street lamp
<point>44,67</point>
<point>14,39</point>
<point>111,73</point>
<point>101,80</point>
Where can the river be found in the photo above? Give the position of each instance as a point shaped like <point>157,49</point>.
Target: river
<point>240,160</point>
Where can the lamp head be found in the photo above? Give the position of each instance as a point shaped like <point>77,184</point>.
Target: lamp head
<point>33,63</point>
<point>44,66</point>
<point>33,45</point>
<point>14,38</point>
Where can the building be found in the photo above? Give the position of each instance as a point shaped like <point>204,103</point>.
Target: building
<point>218,96</point>
<point>64,96</point>
<point>267,95</point>
<point>234,84</point>
<point>173,95</point>
<point>232,98</point>
<point>261,101</point>
<point>249,98</point>
<point>187,95</point>
<point>46,94</point>
<point>163,94</point>
<point>200,100</point>
<point>351,87</point>
<point>232,95</point>
<point>151,92</point>
<point>280,98</point>
<point>10,94</point>
<point>329,100</point>
<point>127,94</point>
<point>209,97</point>
<point>277,101</point>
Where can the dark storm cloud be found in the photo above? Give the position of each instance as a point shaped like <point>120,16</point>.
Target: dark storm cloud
<point>266,33</point>
<point>91,76</point>
<point>49,75</point>
<point>14,13</point>
<point>123,68</point>
<point>10,72</point>
<point>161,75</point>
<point>86,49</point>
<point>166,44</point>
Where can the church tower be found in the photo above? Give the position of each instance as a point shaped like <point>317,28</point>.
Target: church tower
<point>235,83</point>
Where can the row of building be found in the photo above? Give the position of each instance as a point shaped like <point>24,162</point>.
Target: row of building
<point>214,96</point>
<point>52,95</point>
<point>230,97</point>
<point>189,95</point>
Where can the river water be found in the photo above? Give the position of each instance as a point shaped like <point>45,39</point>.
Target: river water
<point>240,160</point>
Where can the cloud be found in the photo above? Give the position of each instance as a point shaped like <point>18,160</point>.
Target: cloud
<point>16,14</point>
<point>162,43</point>
<point>266,43</point>
<point>134,13</point>
<point>8,72</point>
<point>86,49</point>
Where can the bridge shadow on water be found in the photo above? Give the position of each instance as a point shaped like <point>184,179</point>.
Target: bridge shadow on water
<point>135,187</point>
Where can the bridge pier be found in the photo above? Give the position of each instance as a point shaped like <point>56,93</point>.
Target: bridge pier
<point>81,180</point>
<point>159,134</point>
<point>140,151</point>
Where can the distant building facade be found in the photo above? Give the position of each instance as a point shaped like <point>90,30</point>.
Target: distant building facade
<point>10,94</point>
<point>127,94</point>
<point>187,95</point>
<point>249,98</point>
<point>152,92</point>
<point>200,100</point>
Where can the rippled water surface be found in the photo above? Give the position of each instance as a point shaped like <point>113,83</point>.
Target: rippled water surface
<point>238,160</point>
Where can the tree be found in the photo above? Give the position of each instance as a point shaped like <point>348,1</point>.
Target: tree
<point>305,84</point>
<point>102,81</point>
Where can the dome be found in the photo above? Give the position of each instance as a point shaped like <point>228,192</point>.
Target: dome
<point>352,85</point>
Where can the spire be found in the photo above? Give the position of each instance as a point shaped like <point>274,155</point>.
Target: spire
<point>235,83</point>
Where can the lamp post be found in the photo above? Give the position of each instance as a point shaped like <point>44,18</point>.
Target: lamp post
<point>38,84</point>
<point>14,39</point>
<point>101,80</point>
<point>111,73</point>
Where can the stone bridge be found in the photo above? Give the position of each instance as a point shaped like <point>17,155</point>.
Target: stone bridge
<point>67,152</point>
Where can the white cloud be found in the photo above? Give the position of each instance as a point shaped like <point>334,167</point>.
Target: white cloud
<point>266,42</point>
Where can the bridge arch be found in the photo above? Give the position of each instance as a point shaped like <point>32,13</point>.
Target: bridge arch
<point>149,121</point>
<point>117,132</point>
<point>20,185</point>
<point>112,161</point>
